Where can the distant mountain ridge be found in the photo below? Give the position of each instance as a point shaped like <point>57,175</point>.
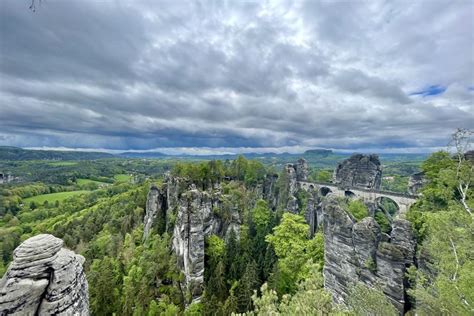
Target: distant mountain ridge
<point>16,153</point>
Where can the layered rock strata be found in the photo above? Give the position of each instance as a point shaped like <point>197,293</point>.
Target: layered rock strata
<point>359,171</point>
<point>358,251</point>
<point>297,172</point>
<point>193,215</point>
<point>155,211</point>
<point>44,279</point>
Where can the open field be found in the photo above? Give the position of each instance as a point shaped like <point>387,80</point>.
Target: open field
<point>63,163</point>
<point>122,177</point>
<point>87,181</point>
<point>53,197</point>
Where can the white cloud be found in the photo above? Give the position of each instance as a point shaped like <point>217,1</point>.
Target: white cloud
<point>223,75</point>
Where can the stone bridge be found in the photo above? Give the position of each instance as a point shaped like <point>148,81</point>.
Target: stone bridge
<point>403,201</point>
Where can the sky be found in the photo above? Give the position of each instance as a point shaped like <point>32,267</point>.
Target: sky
<point>235,76</point>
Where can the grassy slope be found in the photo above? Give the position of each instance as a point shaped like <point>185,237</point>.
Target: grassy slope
<point>53,197</point>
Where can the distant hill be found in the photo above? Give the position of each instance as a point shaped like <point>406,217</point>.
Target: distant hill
<point>15,153</point>
<point>318,152</point>
<point>153,154</point>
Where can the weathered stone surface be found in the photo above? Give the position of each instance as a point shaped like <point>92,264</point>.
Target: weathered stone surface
<point>416,182</point>
<point>358,251</point>
<point>469,155</point>
<point>301,168</point>
<point>196,219</point>
<point>359,171</point>
<point>269,190</point>
<point>155,210</point>
<point>44,279</point>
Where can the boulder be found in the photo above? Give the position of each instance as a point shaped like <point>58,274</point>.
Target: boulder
<point>44,279</point>
<point>359,170</point>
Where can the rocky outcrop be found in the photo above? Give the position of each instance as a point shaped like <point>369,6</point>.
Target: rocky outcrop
<point>155,211</point>
<point>191,215</point>
<point>469,155</point>
<point>358,251</point>
<point>44,279</point>
<point>294,173</point>
<point>194,222</point>
<point>196,219</point>
<point>416,182</point>
<point>302,170</point>
<point>359,171</point>
<point>269,190</point>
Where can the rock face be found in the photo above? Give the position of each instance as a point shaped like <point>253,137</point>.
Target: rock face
<point>416,182</point>
<point>195,220</point>
<point>359,171</point>
<point>297,172</point>
<point>44,279</point>
<point>356,251</point>
<point>469,155</point>
<point>155,211</point>
<point>192,215</point>
<point>270,190</point>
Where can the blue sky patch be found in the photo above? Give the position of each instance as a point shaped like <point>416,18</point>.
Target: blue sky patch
<point>430,91</point>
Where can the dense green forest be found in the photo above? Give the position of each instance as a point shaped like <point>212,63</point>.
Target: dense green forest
<point>272,267</point>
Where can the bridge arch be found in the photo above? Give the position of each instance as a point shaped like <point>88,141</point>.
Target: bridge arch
<point>323,191</point>
<point>349,193</point>
<point>388,205</point>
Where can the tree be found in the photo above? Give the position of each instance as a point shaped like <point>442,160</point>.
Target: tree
<point>358,209</point>
<point>247,285</point>
<point>324,176</point>
<point>309,299</point>
<point>232,257</point>
<point>261,215</point>
<point>461,141</point>
<point>104,282</point>
<point>295,251</point>
<point>444,221</point>
<point>363,300</point>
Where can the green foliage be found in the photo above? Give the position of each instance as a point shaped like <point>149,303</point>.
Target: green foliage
<point>358,209</point>
<point>383,221</point>
<point>52,197</point>
<point>448,243</point>
<point>104,275</point>
<point>261,215</point>
<point>302,197</point>
<point>294,250</point>
<point>370,264</point>
<point>309,299</point>
<point>324,176</point>
<point>445,228</point>
<point>215,248</point>
<point>363,300</point>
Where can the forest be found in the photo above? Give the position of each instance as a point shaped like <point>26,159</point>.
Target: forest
<point>273,266</point>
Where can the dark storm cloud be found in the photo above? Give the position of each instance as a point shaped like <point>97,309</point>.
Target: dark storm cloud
<point>147,74</point>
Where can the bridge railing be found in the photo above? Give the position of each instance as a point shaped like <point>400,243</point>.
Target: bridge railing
<point>348,188</point>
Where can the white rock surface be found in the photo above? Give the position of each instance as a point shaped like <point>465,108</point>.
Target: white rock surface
<point>44,279</point>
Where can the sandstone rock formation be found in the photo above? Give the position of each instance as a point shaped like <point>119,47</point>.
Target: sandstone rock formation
<point>155,210</point>
<point>416,182</point>
<point>269,191</point>
<point>359,171</point>
<point>357,251</point>
<point>193,215</point>
<point>469,155</point>
<point>295,173</point>
<point>44,279</point>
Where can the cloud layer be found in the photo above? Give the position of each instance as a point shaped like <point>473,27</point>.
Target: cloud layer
<point>228,74</point>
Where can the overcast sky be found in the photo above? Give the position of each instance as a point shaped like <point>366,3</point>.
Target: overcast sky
<point>230,76</point>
